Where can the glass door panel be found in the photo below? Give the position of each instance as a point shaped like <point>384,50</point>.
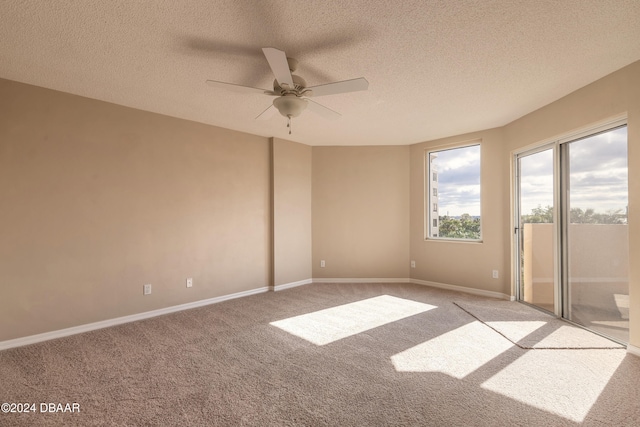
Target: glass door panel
<point>597,256</point>
<point>536,229</point>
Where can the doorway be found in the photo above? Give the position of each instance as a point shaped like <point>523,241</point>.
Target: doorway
<point>571,232</point>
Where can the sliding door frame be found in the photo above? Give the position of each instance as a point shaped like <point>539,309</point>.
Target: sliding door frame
<point>518,229</point>
<point>562,304</point>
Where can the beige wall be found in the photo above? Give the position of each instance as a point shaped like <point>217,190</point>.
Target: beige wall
<point>612,96</point>
<point>292,212</point>
<point>460,263</point>
<point>99,199</point>
<point>361,212</point>
<point>470,264</point>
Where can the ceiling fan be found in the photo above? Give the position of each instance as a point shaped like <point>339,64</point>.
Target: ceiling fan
<point>291,91</point>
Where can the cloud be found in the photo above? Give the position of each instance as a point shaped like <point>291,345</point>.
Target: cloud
<point>605,151</point>
<point>598,174</point>
<point>459,181</point>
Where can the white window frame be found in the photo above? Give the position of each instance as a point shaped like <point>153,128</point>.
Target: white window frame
<point>432,192</point>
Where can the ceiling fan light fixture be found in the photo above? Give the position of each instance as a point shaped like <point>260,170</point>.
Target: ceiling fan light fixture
<point>290,105</point>
<point>291,90</point>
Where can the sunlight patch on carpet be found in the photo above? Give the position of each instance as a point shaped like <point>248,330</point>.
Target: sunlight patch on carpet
<point>456,353</point>
<point>529,328</point>
<point>563,333</point>
<point>569,385</point>
<point>333,324</point>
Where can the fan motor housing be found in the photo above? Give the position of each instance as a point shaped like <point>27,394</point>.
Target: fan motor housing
<point>298,86</point>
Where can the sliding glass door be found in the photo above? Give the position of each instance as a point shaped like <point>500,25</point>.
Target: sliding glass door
<point>596,236</point>
<point>536,228</point>
<point>571,230</point>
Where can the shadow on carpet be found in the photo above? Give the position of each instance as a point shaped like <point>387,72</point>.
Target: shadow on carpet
<point>529,328</point>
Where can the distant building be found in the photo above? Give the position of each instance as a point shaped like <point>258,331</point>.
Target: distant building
<point>434,218</point>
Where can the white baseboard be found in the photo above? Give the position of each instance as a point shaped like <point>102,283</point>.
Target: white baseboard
<point>292,284</point>
<point>360,280</point>
<point>480,292</point>
<point>32,339</point>
<point>633,350</point>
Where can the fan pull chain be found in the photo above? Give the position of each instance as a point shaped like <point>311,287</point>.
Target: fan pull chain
<point>289,124</point>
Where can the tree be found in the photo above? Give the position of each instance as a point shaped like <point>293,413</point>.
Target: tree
<point>464,227</point>
<point>590,216</point>
<point>539,215</point>
<point>576,216</point>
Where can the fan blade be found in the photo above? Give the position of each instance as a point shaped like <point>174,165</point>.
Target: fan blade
<point>268,113</point>
<point>239,88</point>
<point>323,111</point>
<point>340,87</point>
<point>278,62</point>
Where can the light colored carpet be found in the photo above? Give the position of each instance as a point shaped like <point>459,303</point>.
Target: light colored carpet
<point>532,329</point>
<point>242,363</point>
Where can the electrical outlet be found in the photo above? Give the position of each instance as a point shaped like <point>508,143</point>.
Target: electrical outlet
<point>322,264</point>
<point>146,290</point>
<point>494,274</point>
<point>189,282</point>
<point>413,264</point>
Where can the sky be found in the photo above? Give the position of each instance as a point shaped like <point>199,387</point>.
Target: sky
<point>597,179</point>
<point>459,181</point>
<point>597,174</point>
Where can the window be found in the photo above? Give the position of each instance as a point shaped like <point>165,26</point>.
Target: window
<point>454,193</point>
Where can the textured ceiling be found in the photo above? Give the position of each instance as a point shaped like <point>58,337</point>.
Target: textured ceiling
<point>435,68</point>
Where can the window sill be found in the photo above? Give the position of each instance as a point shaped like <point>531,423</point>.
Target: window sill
<point>438,239</point>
